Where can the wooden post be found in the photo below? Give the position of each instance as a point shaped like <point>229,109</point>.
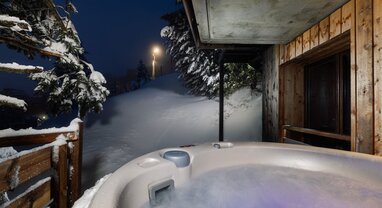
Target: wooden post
<point>364,111</point>
<point>377,76</point>
<point>283,135</point>
<point>221,98</point>
<point>75,161</point>
<point>60,185</point>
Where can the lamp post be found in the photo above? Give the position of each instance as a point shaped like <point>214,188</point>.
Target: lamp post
<point>156,51</point>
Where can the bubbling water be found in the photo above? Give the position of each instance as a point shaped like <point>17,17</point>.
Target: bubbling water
<point>264,186</point>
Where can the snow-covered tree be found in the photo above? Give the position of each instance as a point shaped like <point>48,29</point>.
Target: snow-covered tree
<point>198,68</point>
<point>143,75</point>
<point>240,75</point>
<point>36,27</point>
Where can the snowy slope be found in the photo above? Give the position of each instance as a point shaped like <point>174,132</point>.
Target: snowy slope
<point>161,115</point>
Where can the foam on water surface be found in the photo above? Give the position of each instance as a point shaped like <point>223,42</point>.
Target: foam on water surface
<point>268,186</point>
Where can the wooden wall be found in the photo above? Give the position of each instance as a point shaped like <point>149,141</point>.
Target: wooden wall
<point>377,33</point>
<point>366,51</point>
<point>271,95</point>
<point>292,95</point>
<point>362,21</point>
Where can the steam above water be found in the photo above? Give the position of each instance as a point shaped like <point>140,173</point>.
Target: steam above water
<point>268,187</point>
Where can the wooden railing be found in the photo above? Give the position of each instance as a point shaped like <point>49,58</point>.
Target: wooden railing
<point>57,162</point>
<point>288,128</point>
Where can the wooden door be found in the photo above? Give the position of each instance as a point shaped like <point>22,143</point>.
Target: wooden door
<point>322,95</point>
<point>327,94</point>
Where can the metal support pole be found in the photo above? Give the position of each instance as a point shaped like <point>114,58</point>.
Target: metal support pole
<point>153,72</point>
<point>221,97</point>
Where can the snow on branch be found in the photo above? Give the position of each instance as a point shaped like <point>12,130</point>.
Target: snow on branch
<point>28,47</point>
<point>14,23</point>
<point>20,69</point>
<point>12,102</point>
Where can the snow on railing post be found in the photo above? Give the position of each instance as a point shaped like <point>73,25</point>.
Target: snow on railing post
<point>60,182</point>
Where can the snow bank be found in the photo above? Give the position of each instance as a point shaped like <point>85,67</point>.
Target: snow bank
<point>85,200</point>
<point>161,115</point>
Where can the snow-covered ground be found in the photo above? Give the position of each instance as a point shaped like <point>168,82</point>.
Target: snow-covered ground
<point>162,115</point>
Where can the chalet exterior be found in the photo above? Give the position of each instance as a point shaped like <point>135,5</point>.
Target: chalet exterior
<point>322,68</point>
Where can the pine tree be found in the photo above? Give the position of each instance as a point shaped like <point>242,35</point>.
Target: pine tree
<point>198,68</point>
<point>143,75</point>
<point>36,27</point>
<point>240,75</point>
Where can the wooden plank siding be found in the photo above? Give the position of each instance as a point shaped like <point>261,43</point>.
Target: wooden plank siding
<point>364,76</point>
<point>377,33</point>
<point>38,197</point>
<point>324,30</point>
<point>299,45</point>
<point>362,21</point>
<point>24,168</point>
<point>335,24</point>
<point>306,41</point>
<point>353,82</point>
<point>314,36</point>
<point>62,162</point>
<point>347,11</point>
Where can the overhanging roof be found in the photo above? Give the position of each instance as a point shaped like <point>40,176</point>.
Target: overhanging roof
<point>249,22</point>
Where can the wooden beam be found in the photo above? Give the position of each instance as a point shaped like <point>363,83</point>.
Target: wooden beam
<point>316,133</point>
<point>364,70</point>
<point>35,139</point>
<point>24,168</point>
<point>377,19</point>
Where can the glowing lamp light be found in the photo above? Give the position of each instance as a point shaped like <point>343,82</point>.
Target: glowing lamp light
<point>156,51</point>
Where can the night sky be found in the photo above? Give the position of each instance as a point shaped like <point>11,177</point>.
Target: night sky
<point>115,33</point>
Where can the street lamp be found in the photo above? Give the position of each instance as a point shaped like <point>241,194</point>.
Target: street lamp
<point>156,51</point>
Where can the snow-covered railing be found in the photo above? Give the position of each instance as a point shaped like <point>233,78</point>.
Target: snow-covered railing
<point>56,165</point>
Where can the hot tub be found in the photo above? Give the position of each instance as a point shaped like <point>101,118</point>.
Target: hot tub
<point>139,183</point>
